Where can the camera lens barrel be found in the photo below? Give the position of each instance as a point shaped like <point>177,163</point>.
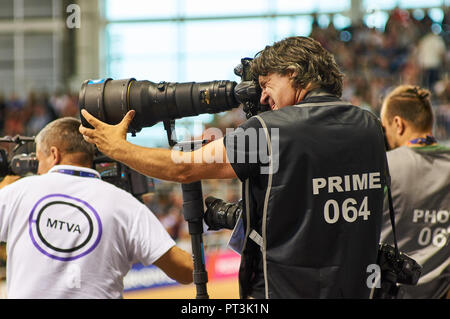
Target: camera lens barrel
<point>109,100</point>
<point>220,215</point>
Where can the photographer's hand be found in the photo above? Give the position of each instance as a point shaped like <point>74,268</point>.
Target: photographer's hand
<point>170,165</point>
<point>108,138</point>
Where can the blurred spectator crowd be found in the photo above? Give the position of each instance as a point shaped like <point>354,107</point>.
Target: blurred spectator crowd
<point>408,50</point>
<point>29,116</point>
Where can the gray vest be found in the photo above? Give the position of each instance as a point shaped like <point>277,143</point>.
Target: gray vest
<point>421,197</point>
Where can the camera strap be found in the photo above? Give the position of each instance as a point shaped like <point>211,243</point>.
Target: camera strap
<point>391,206</point>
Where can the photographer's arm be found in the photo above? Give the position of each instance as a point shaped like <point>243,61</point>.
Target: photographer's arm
<point>2,251</point>
<point>177,264</point>
<point>208,162</point>
<point>8,179</point>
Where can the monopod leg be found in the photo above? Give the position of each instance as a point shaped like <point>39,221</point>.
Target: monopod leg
<point>193,214</point>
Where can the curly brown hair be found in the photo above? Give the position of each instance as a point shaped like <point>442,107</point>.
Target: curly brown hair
<point>305,59</point>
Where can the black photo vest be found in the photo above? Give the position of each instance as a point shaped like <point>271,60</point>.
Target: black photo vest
<point>313,212</point>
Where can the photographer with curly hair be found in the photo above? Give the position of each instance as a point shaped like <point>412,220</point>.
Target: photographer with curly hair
<point>312,169</point>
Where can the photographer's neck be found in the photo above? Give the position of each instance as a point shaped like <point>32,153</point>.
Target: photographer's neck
<point>316,92</point>
<point>302,93</point>
<point>75,159</point>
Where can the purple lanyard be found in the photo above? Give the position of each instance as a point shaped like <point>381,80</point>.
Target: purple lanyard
<point>77,173</point>
<point>427,141</point>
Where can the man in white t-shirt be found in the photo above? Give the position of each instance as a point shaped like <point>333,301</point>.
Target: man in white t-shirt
<point>431,52</point>
<point>71,235</point>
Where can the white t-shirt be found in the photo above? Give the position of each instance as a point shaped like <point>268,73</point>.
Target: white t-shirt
<point>74,236</point>
<point>431,51</point>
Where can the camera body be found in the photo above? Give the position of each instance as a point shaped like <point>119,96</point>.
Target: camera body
<point>23,164</point>
<point>22,159</point>
<point>122,176</point>
<point>248,91</point>
<point>220,215</point>
<point>396,268</point>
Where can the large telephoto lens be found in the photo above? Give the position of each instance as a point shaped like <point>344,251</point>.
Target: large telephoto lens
<point>109,100</point>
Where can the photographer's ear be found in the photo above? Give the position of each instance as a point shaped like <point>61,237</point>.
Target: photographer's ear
<point>291,72</point>
<point>55,155</point>
<point>399,125</point>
